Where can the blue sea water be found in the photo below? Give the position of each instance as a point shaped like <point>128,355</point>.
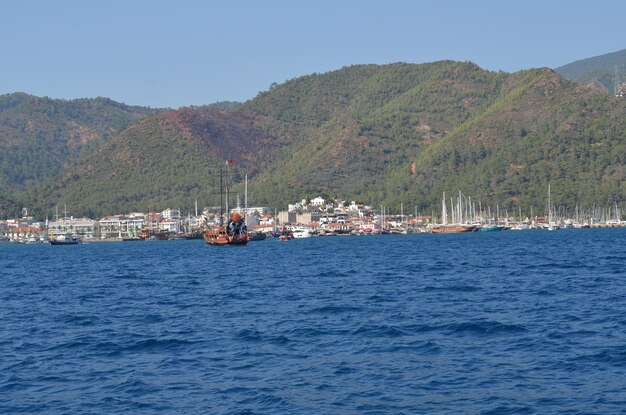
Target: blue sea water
<point>484,323</point>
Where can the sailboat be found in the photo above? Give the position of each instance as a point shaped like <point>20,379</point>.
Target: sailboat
<point>450,228</point>
<point>552,226</point>
<point>233,234</point>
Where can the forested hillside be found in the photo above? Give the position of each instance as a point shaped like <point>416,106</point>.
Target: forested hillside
<point>382,134</point>
<point>541,129</point>
<point>351,128</point>
<point>168,160</point>
<point>39,137</point>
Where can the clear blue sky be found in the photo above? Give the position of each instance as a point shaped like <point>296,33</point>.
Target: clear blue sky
<point>183,52</point>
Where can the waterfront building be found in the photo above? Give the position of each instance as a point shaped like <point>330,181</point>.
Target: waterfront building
<point>368,227</point>
<point>170,214</point>
<point>121,226</point>
<point>258,210</point>
<point>286,217</point>
<point>338,217</point>
<point>336,227</point>
<point>83,227</point>
<point>307,217</point>
<point>23,234</point>
<point>170,225</point>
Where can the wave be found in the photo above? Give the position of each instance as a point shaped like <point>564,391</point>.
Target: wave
<point>254,336</point>
<point>380,331</point>
<point>147,345</point>
<point>615,356</point>
<point>422,347</point>
<point>264,399</point>
<point>81,320</point>
<point>484,328</point>
<point>159,344</point>
<point>506,409</point>
<point>487,328</point>
<point>332,274</point>
<point>459,288</point>
<point>335,309</point>
<point>249,335</point>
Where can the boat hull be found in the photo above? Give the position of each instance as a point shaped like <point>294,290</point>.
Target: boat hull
<point>218,236</point>
<point>64,240</point>
<point>491,228</point>
<point>73,242</point>
<point>453,229</point>
<point>257,236</point>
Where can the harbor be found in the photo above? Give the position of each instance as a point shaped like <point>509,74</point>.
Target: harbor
<point>307,218</point>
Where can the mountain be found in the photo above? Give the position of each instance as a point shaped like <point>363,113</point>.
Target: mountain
<point>405,133</point>
<point>393,134</point>
<point>349,129</point>
<point>167,160</point>
<point>39,137</point>
<point>597,72</point>
<point>541,129</point>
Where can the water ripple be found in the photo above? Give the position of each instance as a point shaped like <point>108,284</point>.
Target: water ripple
<point>502,323</point>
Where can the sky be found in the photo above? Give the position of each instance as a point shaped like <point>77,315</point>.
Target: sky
<point>191,52</point>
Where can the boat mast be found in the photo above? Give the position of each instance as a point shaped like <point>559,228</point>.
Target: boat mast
<point>444,213</point>
<point>245,197</point>
<point>227,187</point>
<point>549,206</point>
<point>221,197</point>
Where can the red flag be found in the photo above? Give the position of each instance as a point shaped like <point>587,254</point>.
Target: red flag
<point>230,162</point>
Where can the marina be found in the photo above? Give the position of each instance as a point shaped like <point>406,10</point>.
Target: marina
<point>346,220</point>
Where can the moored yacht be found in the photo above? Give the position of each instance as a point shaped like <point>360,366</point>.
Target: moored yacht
<point>66,239</point>
<point>300,232</point>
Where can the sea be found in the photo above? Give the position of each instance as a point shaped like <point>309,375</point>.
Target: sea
<point>514,322</point>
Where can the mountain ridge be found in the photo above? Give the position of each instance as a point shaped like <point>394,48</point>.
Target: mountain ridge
<point>598,72</point>
<point>394,134</point>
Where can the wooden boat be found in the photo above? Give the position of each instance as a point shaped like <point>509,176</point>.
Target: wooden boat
<point>453,228</point>
<point>286,235</point>
<point>236,232</point>
<point>217,235</point>
<point>149,234</point>
<point>193,235</point>
<point>450,228</point>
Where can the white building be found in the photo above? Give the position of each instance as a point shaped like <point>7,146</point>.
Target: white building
<point>170,214</point>
<point>82,227</point>
<point>293,207</point>
<point>169,225</point>
<point>259,211</point>
<point>121,226</point>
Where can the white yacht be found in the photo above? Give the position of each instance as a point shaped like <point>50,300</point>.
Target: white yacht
<point>300,232</point>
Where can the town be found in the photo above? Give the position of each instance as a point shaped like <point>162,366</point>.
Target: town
<point>316,216</point>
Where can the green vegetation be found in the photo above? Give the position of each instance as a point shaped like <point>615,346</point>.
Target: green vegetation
<point>168,160</point>
<point>391,134</point>
<point>39,137</point>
